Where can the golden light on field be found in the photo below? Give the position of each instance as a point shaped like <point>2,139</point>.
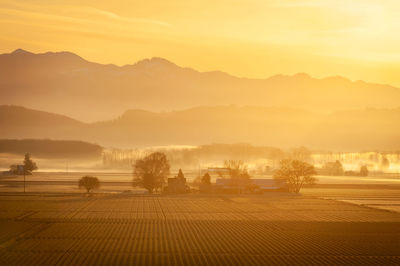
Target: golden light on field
<point>255,38</point>
<point>211,132</point>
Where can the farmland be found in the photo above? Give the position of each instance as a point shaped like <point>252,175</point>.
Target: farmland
<point>372,197</point>
<point>45,182</point>
<point>128,228</point>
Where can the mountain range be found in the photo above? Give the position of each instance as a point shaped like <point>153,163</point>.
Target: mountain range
<point>354,130</point>
<point>65,83</point>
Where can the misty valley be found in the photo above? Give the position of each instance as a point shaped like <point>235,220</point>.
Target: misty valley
<point>153,163</point>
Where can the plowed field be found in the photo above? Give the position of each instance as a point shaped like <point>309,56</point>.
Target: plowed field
<point>194,229</point>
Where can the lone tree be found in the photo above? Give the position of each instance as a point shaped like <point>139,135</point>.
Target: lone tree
<point>89,183</point>
<point>296,174</point>
<point>151,171</point>
<point>29,165</point>
<point>237,172</point>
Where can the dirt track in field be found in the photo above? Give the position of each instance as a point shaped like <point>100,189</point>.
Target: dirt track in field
<point>193,229</point>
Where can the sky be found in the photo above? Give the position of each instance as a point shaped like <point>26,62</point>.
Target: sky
<point>358,39</point>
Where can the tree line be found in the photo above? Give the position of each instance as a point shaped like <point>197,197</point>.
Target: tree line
<point>336,169</point>
<point>151,173</point>
<point>46,148</point>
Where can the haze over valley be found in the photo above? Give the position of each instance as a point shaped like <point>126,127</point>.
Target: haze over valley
<point>356,130</point>
<point>155,102</point>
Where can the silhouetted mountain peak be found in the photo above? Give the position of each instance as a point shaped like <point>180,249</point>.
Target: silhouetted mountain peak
<point>64,82</point>
<point>62,55</point>
<point>302,76</point>
<point>20,51</point>
<point>155,62</point>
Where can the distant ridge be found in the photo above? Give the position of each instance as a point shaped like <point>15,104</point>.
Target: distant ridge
<point>18,115</point>
<point>63,82</point>
<point>351,130</point>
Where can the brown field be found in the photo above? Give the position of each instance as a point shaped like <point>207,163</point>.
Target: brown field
<point>192,229</point>
<point>385,197</point>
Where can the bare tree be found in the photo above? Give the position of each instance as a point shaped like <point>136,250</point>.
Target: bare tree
<point>238,172</point>
<point>151,171</point>
<point>89,183</point>
<point>296,173</point>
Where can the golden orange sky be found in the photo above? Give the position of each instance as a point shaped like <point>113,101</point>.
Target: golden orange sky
<point>359,39</point>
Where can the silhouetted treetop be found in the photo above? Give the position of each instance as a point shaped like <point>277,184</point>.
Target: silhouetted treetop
<point>29,164</point>
<point>296,173</point>
<point>151,171</point>
<point>89,183</point>
<point>46,148</point>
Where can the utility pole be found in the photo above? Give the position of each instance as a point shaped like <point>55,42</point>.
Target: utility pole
<point>24,179</point>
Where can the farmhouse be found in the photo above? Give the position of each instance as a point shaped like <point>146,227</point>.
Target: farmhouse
<point>216,171</point>
<point>177,185</point>
<point>18,169</point>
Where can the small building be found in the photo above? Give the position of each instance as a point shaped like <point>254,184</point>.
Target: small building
<point>6,173</point>
<point>221,172</point>
<point>18,169</point>
<point>177,185</point>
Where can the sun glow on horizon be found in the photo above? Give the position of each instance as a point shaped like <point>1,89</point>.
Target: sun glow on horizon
<point>254,38</point>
